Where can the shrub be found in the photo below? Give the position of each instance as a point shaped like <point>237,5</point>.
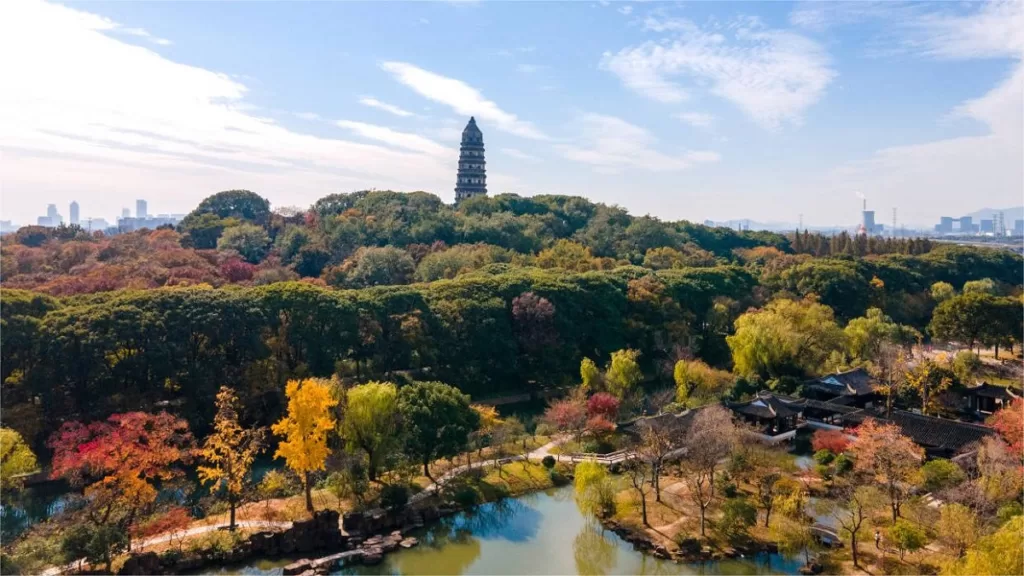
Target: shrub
<point>394,496</point>
<point>558,479</point>
<point>835,441</point>
<point>467,496</point>
<point>548,462</point>
<point>824,457</point>
<point>907,536</point>
<point>737,516</point>
<point>939,473</point>
<point>1008,511</point>
<point>688,545</point>
<point>842,464</point>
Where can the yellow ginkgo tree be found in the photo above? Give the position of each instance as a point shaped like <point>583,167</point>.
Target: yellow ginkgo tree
<point>305,429</point>
<point>228,453</point>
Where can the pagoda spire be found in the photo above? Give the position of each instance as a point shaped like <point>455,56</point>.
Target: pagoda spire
<point>471,179</point>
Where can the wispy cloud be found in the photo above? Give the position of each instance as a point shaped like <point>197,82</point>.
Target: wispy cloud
<point>529,68</point>
<point>311,116</point>
<point>460,97</point>
<point>109,118</point>
<point>611,144</point>
<point>519,154</point>
<point>771,75</point>
<point>391,108</point>
<point>141,33</point>
<point>695,119</point>
<point>627,10</point>
<point>393,137</point>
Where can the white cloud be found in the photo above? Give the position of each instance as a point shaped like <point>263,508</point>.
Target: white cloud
<point>311,116</point>
<point>399,139</point>
<point>391,108</point>
<point>772,75</point>
<point>461,97</point>
<point>996,30</point>
<point>611,144</point>
<point>695,119</point>
<point>140,32</point>
<point>627,10</point>
<point>529,68</point>
<point>519,154</point>
<point>965,173</point>
<point>84,114</point>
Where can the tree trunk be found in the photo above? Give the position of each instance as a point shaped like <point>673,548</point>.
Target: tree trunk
<point>767,516</point>
<point>853,548</point>
<point>231,522</point>
<point>702,520</point>
<point>426,470</point>
<point>309,492</point>
<point>371,470</point>
<point>656,482</point>
<point>643,508</point>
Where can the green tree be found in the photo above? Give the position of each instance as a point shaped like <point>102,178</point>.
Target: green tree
<point>593,489</point>
<point>866,335</point>
<point>437,421</point>
<point>965,318</point>
<point>940,473</point>
<point>203,231</point>
<point>590,375</point>
<point>371,422</point>
<point>623,373</point>
<point>698,384</point>
<point>997,553</point>
<point>983,286</point>
<point>942,291</point>
<point>240,204</point>
<point>907,536</point>
<point>958,527</point>
<point>567,255</point>
<point>785,338</point>
<point>251,241</point>
<point>16,459</point>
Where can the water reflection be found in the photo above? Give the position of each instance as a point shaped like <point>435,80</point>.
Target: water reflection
<point>543,533</point>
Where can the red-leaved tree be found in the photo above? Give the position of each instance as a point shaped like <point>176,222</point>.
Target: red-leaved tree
<point>567,415</point>
<point>603,404</point>
<point>120,461</point>
<point>835,441</point>
<point>1009,422</point>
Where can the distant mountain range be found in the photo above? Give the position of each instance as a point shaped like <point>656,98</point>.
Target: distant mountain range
<point>1009,214</point>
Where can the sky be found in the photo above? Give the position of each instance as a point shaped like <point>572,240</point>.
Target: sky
<point>725,110</point>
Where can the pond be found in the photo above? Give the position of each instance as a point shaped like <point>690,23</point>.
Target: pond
<point>541,533</point>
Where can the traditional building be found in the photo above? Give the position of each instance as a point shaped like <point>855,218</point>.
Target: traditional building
<point>472,177</point>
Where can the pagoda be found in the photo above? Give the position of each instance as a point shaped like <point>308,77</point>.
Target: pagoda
<point>472,176</point>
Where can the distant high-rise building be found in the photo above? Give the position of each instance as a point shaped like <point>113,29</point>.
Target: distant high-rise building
<point>945,225</point>
<point>988,226</point>
<point>1018,227</point>
<point>471,179</point>
<point>966,225</point>
<point>869,221</point>
<point>51,211</point>
<point>140,209</point>
<point>126,213</point>
<point>52,218</point>
<point>73,213</point>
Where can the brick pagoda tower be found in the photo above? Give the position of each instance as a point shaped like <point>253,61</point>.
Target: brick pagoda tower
<point>472,177</point>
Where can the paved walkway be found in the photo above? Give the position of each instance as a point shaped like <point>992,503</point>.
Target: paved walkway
<point>242,524</point>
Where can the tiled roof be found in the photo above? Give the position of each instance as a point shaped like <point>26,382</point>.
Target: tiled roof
<point>766,406</point>
<point>950,436</point>
<point>992,391</point>
<point>856,382</point>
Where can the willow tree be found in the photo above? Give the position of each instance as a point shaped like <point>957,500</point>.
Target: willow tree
<point>229,452</point>
<point>305,430</point>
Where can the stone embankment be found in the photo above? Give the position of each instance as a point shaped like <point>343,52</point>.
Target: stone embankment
<point>370,552</point>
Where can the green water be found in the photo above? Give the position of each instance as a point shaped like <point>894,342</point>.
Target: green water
<point>541,533</point>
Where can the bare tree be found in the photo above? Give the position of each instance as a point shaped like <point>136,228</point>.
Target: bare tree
<point>890,367</point>
<point>640,473</point>
<point>709,439</point>
<point>656,443</point>
<point>852,506</point>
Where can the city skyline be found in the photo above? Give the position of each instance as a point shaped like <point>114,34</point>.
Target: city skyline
<point>776,108</point>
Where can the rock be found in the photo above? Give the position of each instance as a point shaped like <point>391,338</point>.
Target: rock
<point>145,563</point>
<point>812,568</point>
<point>298,567</point>
<point>409,542</point>
<point>373,556</point>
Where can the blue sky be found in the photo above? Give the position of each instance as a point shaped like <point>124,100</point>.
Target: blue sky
<point>681,110</point>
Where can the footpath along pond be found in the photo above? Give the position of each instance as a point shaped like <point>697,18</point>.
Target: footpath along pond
<point>540,533</point>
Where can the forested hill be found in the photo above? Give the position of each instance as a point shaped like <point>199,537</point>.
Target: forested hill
<point>379,238</point>
<point>558,279</point>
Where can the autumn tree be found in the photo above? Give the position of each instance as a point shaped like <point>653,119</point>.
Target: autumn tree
<point>305,429</point>
<point>958,527</point>
<point>623,373</point>
<point>997,553</point>
<point>907,536</point>
<point>228,452</point>
<point>928,381</point>
<point>121,462</point>
<point>371,422</point>
<point>593,489</point>
<point>698,384</point>
<point>603,404</point>
<point>590,375</point>
<point>641,477</point>
<point>16,459</point>
<point>568,414</point>
<point>488,419</point>
<point>437,421</point>
<point>1009,422</point>
<point>890,457</point>
<point>656,443</point>
<point>835,441</point>
<point>709,438</point>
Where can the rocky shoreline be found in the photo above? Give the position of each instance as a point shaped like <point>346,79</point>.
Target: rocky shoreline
<point>691,552</point>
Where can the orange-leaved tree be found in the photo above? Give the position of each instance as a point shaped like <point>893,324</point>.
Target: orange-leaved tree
<point>228,452</point>
<point>1009,422</point>
<point>892,458</point>
<point>120,461</point>
<point>305,429</point>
